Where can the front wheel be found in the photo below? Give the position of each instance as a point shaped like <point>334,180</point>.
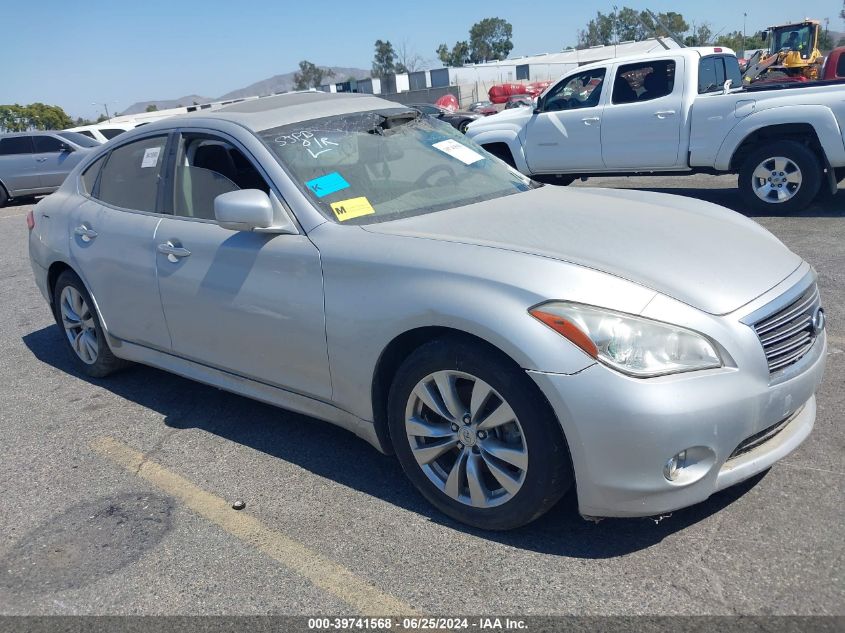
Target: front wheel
<point>475,437</point>
<point>781,177</point>
<point>76,315</point>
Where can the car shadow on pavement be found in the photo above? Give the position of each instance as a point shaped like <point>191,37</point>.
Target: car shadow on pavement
<point>336,454</point>
<point>832,207</point>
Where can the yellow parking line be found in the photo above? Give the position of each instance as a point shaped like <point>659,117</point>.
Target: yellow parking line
<point>325,574</point>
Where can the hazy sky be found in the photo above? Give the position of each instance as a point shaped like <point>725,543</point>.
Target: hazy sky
<point>73,53</point>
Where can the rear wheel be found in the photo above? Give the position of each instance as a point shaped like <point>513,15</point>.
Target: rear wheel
<point>780,177</point>
<point>4,197</point>
<point>83,333</point>
<point>475,437</point>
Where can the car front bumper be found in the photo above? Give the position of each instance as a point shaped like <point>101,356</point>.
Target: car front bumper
<point>621,431</point>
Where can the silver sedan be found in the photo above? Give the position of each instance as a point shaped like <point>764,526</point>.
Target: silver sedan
<point>344,257</point>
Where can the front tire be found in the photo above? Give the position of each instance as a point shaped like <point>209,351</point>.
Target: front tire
<point>780,177</point>
<point>76,316</point>
<point>475,436</point>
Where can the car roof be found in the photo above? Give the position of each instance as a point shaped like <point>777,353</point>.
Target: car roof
<point>694,52</point>
<point>270,112</point>
<point>33,133</point>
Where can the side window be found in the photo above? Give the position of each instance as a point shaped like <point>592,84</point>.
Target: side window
<point>47,144</point>
<point>579,91</point>
<point>732,71</point>
<point>206,167</point>
<point>89,176</point>
<point>644,81</point>
<point>110,133</point>
<point>15,145</point>
<point>706,74</point>
<point>87,133</point>
<point>840,66</point>
<point>130,177</point>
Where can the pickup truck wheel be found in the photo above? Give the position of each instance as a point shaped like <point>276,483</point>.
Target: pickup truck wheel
<point>780,177</point>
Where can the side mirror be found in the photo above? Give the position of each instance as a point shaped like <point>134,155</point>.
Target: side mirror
<point>65,148</point>
<point>764,35</point>
<point>243,210</point>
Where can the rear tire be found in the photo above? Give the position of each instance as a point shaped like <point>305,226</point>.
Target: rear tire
<point>81,329</point>
<point>468,479</point>
<point>4,197</point>
<point>780,177</point>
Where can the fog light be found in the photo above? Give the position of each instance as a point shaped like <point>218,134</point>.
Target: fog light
<point>673,467</point>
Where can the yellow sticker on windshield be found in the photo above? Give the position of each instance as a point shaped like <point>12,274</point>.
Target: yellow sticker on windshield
<point>352,208</point>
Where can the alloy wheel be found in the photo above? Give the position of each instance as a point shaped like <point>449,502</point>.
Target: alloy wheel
<point>776,179</point>
<point>466,439</point>
<point>78,322</point>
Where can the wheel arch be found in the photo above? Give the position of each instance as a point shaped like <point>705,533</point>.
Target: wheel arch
<point>54,271</point>
<point>813,125</point>
<point>401,347</point>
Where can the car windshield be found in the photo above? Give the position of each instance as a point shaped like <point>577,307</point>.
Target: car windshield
<point>383,165</point>
<point>79,139</point>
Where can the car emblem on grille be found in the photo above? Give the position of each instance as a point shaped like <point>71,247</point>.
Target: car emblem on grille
<point>818,321</point>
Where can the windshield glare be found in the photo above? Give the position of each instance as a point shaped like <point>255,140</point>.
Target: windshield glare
<point>382,165</point>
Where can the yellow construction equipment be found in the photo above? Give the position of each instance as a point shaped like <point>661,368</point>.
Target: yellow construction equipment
<point>793,52</point>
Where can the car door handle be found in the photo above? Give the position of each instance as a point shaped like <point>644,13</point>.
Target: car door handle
<point>85,232</point>
<point>589,120</point>
<point>40,160</point>
<point>662,114</point>
<point>174,253</point>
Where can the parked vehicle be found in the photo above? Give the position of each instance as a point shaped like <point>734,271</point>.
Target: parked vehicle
<point>519,101</point>
<point>793,53</point>
<point>671,113</point>
<point>834,65</point>
<point>103,132</point>
<point>476,106</point>
<point>458,119</point>
<point>344,257</point>
<point>36,163</point>
<point>500,93</point>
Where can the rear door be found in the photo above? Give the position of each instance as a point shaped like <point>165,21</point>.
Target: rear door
<point>246,302</point>
<point>111,239</point>
<point>641,123</point>
<point>53,159</point>
<point>17,165</point>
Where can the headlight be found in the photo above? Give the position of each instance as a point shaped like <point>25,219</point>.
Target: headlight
<point>633,345</point>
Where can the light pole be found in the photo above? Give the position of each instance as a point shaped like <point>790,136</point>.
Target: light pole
<point>744,17</point>
<point>105,107</point>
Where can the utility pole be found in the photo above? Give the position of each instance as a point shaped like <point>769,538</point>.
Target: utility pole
<point>744,17</point>
<point>105,107</point>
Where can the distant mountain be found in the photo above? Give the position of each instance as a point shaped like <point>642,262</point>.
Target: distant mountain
<point>278,83</point>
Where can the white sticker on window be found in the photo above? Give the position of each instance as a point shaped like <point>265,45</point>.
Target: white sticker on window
<point>150,157</point>
<point>461,152</point>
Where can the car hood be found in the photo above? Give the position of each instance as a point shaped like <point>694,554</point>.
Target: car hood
<point>704,255</point>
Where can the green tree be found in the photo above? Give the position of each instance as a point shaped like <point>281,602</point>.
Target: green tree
<point>734,40</point>
<point>825,40</point>
<point>455,57</point>
<point>151,108</point>
<point>699,35</point>
<point>384,59</point>
<point>490,39</point>
<point>310,76</point>
<point>35,116</point>
<point>627,24</point>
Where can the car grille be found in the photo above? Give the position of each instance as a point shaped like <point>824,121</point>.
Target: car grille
<point>788,334</point>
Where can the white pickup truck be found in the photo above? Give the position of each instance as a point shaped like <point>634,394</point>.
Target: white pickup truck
<point>674,112</point>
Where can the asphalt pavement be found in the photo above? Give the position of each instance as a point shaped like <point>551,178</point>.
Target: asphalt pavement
<point>117,493</point>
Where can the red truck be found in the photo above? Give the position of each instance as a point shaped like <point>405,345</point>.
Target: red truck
<point>834,65</point>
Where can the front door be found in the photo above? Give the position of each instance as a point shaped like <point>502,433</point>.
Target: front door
<point>565,136</point>
<point>641,127</point>
<point>17,165</point>
<point>244,302</point>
